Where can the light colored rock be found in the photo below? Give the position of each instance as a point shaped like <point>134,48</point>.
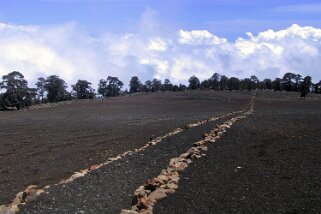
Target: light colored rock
<point>165,172</point>
<point>196,156</point>
<point>204,148</point>
<point>185,155</point>
<point>159,193</point>
<point>159,180</point>
<point>40,191</point>
<point>146,211</point>
<point>14,209</point>
<point>169,191</point>
<point>46,187</point>
<point>140,191</point>
<point>94,167</point>
<point>194,150</point>
<point>134,208</point>
<point>173,180</point>
<point>201,142</point>
<point>31,190</point>
<point>4,209</point>
<point>115,158</point>
<point>123,211</point>
<point>171,186</point>
<point>18,199</point>
<point>179,167</point>
<point>163,177</point>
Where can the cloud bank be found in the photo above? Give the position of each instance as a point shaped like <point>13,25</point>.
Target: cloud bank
<point>72,53</point>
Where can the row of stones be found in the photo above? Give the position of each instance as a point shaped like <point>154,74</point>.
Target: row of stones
<point>166,183</point>
<point>32,191</point>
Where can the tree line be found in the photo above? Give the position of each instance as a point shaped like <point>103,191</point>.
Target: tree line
<point>16,93</point>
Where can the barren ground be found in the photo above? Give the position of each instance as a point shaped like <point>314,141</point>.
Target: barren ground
<point>43,146</point>
<point>268,163</point>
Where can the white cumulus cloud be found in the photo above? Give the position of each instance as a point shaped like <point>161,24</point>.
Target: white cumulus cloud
<point>72,53</point>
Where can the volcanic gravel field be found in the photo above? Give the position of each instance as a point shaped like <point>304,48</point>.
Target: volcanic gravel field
<point>43,146</point>
<point>265,161</point>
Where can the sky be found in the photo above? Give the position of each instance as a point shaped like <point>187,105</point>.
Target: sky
<point>175,39</point>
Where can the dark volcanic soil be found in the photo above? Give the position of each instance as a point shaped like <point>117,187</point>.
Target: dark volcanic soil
<point>267,163</point>
<point>45,145</point>
<point>111,188</point>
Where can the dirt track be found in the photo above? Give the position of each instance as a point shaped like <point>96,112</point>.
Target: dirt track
<point>42,146</point>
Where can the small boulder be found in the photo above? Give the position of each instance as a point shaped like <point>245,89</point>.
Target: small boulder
<point>5,210</point>
<point>128,212</point>
<point>146,211</point>
<point>163,178</point>
<point>159,193</point>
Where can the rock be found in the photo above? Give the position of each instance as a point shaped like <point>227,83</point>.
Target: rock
<point>169,191</point>
<point>152,143</point>
<point>134,208</point>
<point>165,172</point>
<point>40,191</point>
<point>75,176</point>
<point>128,212</point>
<point>174,176</point>
<point>151,184</point>
<point>13,208</point>
<point>209,139</point>
<point>5,210</point>
<point>94,167</point>
<point>159,181</point>
<point>204,148</point>
<point>143,203</point>
<point>115,158</point>
<point>163,177</point>
<point>201,142</point>
<point>174,161</point>
<point>185,155</point>
<point>46,187</point>
<point>159,193</point>
<point>173,180</point>
<point>146,211</point>
<point>19,198</point>
<point>177,167</point>
<point>196,156</point>
<point>31,190</point>
<point>171,186</point>
<point>140,191</point>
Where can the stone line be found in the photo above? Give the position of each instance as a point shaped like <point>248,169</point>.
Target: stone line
<point>166,183</point>
<point>32,191</point>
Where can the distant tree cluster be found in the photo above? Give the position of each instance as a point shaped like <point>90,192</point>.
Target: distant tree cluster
<point>16,93</point>
<point>153,86</point>
<point>289,82</point>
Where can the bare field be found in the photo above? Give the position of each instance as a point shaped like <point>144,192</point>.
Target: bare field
<point>43,146</point>
<point>268,163</point>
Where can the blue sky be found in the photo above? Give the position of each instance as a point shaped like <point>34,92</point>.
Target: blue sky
<point>175,39</point>
<point>228,18</point>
